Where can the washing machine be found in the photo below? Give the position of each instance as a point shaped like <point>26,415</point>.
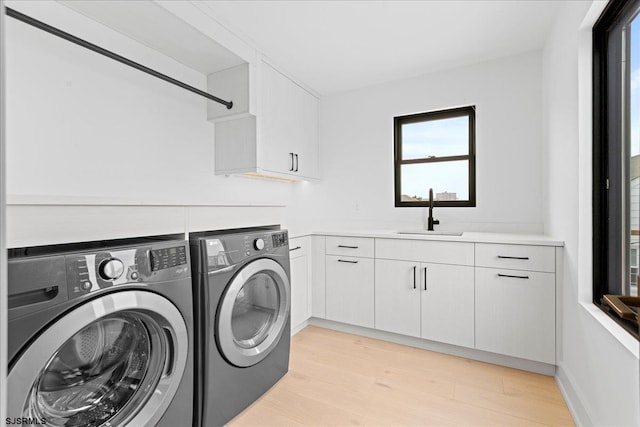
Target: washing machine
<point>243,300</point>
<point>101,334</point>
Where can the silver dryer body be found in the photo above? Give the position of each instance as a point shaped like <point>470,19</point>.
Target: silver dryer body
<point>243,294</point>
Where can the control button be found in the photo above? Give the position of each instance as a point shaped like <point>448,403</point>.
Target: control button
<point>258,244</point>
<point>134,275</point>
<point>86,286</point>
<point>111,269</point>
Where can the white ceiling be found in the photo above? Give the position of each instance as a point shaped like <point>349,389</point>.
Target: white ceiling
<point>334,46</point>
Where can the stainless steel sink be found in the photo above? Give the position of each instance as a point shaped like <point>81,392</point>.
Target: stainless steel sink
<point>431,233</point>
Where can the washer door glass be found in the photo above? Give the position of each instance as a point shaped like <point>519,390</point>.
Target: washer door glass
<point>96,373</point>
<point>254,312</point>
<point>116,360</point>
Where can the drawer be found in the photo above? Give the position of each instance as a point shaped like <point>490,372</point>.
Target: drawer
<point>350,246</point>
<point>516,257</point>
<point>458,253</point>
<point>299,246</point>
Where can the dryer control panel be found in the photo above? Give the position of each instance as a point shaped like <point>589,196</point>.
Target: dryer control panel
<point>227,250</point>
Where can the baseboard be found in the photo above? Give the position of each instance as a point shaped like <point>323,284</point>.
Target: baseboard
<point>578,411</point>
<point>298,328</point>
<point>468,353</point>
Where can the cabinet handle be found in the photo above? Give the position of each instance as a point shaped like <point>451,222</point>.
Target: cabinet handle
<point>513,257</point>
<point>425,278</point>
<point>291,168</point>
<point>295,249</point>
<point>296,163</point>
<point>414,277</point>
<point>512,276</point>
<point>346,260</point>
<point>348,247</point>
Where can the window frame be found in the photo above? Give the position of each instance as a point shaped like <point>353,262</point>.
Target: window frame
<point>610,180</point>
<point>398,121</point>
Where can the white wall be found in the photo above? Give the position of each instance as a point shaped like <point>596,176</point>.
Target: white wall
<point>356,134</point>
<point>598,363</point>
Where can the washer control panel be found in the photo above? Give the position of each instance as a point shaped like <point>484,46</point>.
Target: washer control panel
<point>94,271</point>
<point>168,257</point>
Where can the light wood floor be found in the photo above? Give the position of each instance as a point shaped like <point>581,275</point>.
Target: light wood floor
<point>338,379</point>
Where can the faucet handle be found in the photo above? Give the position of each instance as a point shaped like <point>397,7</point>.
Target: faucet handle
<point>436,221</point>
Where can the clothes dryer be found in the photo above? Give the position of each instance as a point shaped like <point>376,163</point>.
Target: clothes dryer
<point>243,300</point>
<point>101,334</point>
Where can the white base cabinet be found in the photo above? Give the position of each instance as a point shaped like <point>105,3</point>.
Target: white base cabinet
<point>515,313</point>
<point>497,298</point>
<point>397,296</point>
<point>447,304</point>
<point>349,290</point>
<point>432,301</point>
<point>300,295</point>
<point>318,277</point>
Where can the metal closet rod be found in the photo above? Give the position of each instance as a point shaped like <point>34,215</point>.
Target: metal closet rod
<point>80,42</point>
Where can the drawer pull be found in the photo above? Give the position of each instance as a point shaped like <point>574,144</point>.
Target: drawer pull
<point>512,276</point>
<point>348,247</point>
<point>346,260</point>
<point>513,257</point>
<point>295,249</point>
<point>414,277</point>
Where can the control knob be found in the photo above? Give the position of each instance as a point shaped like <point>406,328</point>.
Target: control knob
<point>258,244</point>
<point>111,269</point>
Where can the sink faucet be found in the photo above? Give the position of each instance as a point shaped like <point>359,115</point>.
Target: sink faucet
<point>431,222</point>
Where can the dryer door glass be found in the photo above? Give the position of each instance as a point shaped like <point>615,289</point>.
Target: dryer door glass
<point>99,372</point>
<point>254,312</point>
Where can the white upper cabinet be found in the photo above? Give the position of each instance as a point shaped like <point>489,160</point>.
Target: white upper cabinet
<point>274,131</point>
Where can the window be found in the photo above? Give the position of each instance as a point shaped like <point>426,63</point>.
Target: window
<point>435,150</point>
<point>616,158</point>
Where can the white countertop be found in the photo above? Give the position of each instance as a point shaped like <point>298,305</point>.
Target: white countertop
<point>467,236</point>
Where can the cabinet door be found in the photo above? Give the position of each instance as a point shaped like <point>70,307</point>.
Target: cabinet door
<point>447,305</point>
<point>397,296</point>
<point>350,290</point>
<point>306,143</point>
<point>515,313</point>
<point>318,277</point>
<point>276,119</point>
<point>299,290</point>
<point>289,126</point>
